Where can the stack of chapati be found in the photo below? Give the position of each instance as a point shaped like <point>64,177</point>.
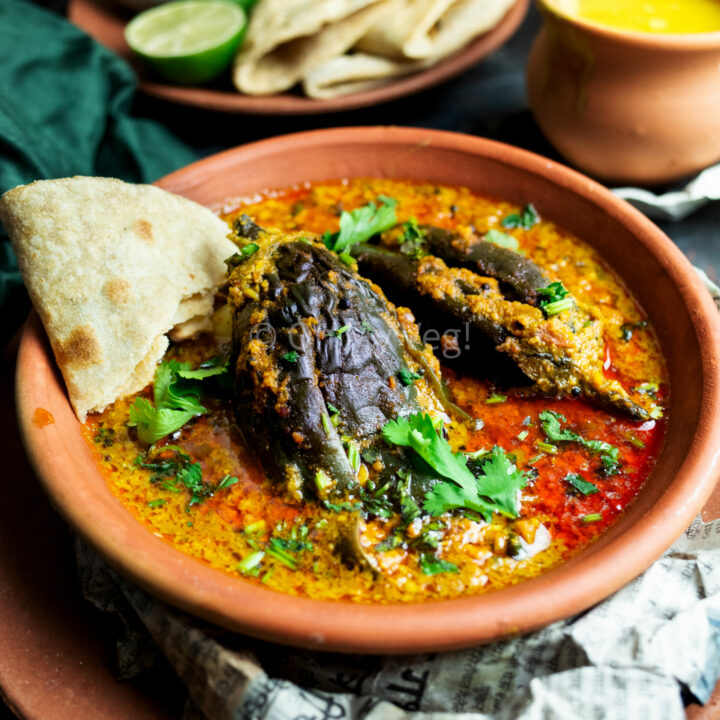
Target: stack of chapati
<point>335,47</point>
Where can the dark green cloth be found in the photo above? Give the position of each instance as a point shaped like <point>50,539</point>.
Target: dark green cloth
<point>65,110</point>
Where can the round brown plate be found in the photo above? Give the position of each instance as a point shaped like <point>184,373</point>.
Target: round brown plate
<point>663,281</point>
<point>106,22</point>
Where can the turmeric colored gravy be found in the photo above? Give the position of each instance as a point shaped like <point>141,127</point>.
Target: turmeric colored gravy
<point>239,523</point>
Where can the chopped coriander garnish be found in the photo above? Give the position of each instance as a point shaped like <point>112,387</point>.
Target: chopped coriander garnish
<point>555,299</point>
<point>494,399</point>
<point>525,219</point>
<point>226,482</point>
<point>175,393</point>
<point>554,431</point>
<point>327,424</point>
<point>291,357</point>
<point>340,331</point>
<point>546,447</point>
<point>591,518</point>
<point>353,455</point>
<point>433,565</point>
<point>249,249</point>
<point>250,565</point>
<point>322,480</point>
<point>502,239</point>
<point>407,376</point>
<point>332,408</point>
<point>341,507</point>
<point>495,489</point>
<point>276,548</point>
<point>185,472</point>
<point>361,224</point>
<point>579,483</point>
<point>411,231</point>
<point>156,503</point>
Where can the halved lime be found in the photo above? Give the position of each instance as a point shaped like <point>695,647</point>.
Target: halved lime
<point>190,41</point>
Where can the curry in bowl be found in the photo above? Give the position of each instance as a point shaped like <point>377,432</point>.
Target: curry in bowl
<point>409,392</point>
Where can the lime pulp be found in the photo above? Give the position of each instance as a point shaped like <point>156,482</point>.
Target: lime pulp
<point>189,41</point>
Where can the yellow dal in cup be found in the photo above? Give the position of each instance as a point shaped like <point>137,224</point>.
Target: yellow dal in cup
<point>653,16</point>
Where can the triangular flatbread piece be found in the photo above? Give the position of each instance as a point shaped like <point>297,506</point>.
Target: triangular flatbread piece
<point>110,268</point>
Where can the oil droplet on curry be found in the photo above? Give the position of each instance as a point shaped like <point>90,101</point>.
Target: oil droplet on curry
<point>202,490</point>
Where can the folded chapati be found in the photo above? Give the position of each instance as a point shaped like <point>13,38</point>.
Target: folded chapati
<point>288,39</point>
<point>356,72</point>
<point>110,268</point>
<point>420,29</point>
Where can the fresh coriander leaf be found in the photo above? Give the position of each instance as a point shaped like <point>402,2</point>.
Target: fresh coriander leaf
<point>433,565</point>
<point>551,425</point>
<point>502,239</point>
<point>407,376</point>
<point>342,507</point>
<point>206,370</point>
<point>154,424</point>
<point>361,224</point>
<point>411,231</point>
<point>226,482</point>
<point>418,433</point>
<point>501,481</point>
<point>577,481</point>
<point>496,490</point>
<point>277,549</point>
<point>291,357</point>
<point>525,219</point>
<point>555,299</point>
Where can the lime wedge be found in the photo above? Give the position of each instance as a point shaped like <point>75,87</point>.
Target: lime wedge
<point>190,41</point>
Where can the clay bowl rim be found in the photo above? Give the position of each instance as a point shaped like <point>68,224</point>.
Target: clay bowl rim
<point>667,42</point>
<point>78,491</point>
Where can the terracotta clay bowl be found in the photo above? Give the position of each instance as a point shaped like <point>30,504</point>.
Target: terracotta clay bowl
<point>661,278</point>
<point>627,107</point>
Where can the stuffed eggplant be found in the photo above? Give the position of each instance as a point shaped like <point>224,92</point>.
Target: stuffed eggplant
<point>498,293</point>
<point>322,362</point>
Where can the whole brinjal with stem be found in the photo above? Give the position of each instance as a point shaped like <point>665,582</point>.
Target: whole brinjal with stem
<point>448,277</point>
<point>322,362</point>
